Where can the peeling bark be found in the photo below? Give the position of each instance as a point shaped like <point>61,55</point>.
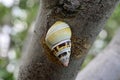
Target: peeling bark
<point>86,19</point>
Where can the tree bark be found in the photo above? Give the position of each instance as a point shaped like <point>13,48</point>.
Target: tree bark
<point>86,19</point>
<point>106,65</point>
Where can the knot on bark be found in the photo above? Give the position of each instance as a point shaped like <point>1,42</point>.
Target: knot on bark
<point>69,5</point>
<point>67,8</point>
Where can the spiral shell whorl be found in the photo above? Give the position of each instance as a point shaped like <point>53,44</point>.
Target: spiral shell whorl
<point>58,40</point>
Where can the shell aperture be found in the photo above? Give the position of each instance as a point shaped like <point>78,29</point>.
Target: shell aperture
<point>58,39</point>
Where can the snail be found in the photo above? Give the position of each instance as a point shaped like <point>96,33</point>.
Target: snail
<point>58,39</point>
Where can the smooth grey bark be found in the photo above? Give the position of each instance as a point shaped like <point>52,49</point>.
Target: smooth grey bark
<point>106,66</point>
<point>86,19</point>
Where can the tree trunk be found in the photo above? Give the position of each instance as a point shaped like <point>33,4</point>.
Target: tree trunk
<point>86,19</point>
<point>106,65</point>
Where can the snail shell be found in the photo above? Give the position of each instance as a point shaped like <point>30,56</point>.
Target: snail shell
<point>58,39</point>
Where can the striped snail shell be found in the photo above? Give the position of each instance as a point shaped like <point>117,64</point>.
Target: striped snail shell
<point>58,39</point>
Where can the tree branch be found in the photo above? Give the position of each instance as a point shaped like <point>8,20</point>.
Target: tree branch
<point>86,19</point>
<point>106,65</point>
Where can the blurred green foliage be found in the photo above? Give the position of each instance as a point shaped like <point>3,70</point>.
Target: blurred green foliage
<point>4,74</point>
<point>17,39</point>
<point>113,24</point>
<point>3,12</point>
<point>31,8</point>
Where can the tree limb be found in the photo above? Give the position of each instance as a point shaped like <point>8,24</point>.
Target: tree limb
<point>86,19</point>
<point>106,65</point>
